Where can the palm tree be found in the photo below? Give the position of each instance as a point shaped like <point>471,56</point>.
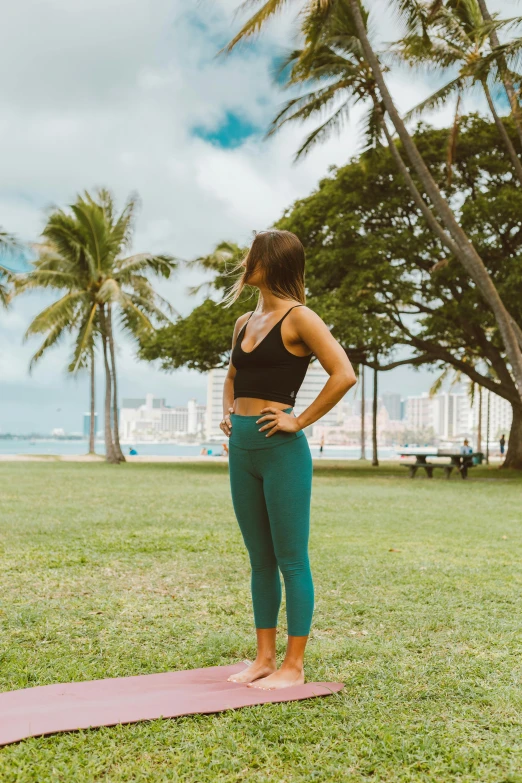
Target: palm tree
<point>459,39</point>
<point>222,261</point>
<point>446,226</point>
<point>505,72</point>
<point>8,245</point>
<point>339,59</point>
<point>83,254</point>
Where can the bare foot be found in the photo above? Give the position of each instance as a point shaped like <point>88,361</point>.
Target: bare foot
<point>283,678</point>
<point>253,672</point>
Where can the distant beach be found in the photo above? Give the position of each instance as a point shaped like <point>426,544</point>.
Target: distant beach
<point>79,448</point>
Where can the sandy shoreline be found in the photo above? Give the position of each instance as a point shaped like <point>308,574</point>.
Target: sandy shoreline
<point>97,458</point>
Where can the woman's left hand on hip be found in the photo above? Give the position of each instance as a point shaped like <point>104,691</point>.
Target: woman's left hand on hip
<point>276,420</point>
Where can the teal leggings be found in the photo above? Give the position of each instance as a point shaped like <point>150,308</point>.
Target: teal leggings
<point>271,483</point>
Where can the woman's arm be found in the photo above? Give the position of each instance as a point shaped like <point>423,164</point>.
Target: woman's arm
<point>228,386</point>
<point>313,331</point>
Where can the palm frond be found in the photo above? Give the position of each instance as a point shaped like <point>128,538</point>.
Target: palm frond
<point>85,341</point>
<point>436,100</point>
<point>8,243</point>
<point>256,22</point>
<point>44,278</point>
<point>437,384</point>
<point>55,334</point>
<point>223,254</point>
<point>142,286</point>
<point>134,316</point>
<point>5,296</point>
<point>372,129</point>
<point>95,231</point>
<point>123,228</point>
<point>163,265</point>
<point>62,312</point>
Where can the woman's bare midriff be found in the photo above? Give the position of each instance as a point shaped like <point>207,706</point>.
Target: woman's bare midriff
<point>250,406</point>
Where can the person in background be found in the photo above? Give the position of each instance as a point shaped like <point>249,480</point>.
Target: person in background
<point>502,444</point>
<point>321,446</point>
<point>466,448</point>
<point>225,449</point>
<point>133,452</point>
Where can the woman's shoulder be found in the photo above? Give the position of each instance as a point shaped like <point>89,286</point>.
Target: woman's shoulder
<point>241,320</point>
<point>303,312</point>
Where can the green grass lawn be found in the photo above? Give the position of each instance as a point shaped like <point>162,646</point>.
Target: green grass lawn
<point>114,571</point>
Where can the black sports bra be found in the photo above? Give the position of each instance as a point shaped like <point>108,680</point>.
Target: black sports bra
<point>269,371</point>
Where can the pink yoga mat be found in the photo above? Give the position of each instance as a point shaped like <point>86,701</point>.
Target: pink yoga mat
<point>46,709</point>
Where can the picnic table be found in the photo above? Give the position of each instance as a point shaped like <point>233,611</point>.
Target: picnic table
<point>460,462</point>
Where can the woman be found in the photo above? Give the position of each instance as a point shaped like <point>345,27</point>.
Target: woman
<point>269,458</point>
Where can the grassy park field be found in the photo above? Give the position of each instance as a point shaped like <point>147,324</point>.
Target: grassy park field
<point>113,571</point>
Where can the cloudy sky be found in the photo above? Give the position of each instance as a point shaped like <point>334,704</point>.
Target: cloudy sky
<point>129,94</point>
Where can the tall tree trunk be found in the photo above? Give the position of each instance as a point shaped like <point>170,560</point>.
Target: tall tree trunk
<point>467,254</point>
<point>479,427</point>
<point>116,426</point>
<point>488,419</point>
<point>417,197</point>
<point>363,433</point>
<point>375,456</point>
<point>110,454</point>
<point>504,72</point>
<point>92,423</point>
<point>515,160</point>
<point>514,450</point>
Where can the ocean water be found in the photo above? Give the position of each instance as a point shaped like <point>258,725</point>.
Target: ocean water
<point>73,447</point>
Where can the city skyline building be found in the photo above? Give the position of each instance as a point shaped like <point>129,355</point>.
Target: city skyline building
<point>87,424</point>
<point>393,404</point>
<point>500,415</point>
<point>453,416</point>
<point>149,418</point>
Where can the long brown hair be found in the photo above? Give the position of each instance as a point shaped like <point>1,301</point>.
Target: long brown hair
<point>281,256</point>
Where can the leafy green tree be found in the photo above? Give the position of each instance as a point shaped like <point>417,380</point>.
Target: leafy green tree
<point>83,255</point>
<point>427,192</point>
<point>371,255</point>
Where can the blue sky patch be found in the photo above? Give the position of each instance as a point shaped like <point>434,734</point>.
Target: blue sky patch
<point>230,133</point>
<point>16,261</point>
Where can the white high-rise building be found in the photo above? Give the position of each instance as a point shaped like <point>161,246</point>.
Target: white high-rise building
<point>500,415</point>
<point>453,417</point>
<point>215,383</point>
<point>314,381</point>
<point>150,419</point>
<point>420,412</point>
<point>447,414</point>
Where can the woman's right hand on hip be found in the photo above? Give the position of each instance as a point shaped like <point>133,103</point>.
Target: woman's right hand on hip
<point>226,424</point>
